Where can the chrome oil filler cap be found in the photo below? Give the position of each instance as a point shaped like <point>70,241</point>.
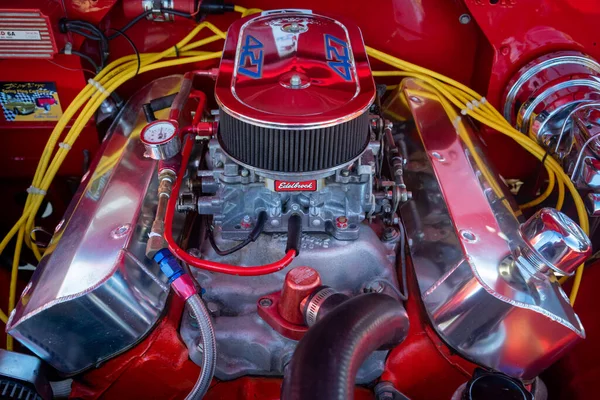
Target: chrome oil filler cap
<point>555,242</point>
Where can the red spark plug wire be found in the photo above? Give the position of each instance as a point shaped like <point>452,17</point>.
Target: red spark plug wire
<point>205,264</point>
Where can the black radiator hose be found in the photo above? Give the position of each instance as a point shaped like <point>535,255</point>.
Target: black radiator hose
<point>326,361</point>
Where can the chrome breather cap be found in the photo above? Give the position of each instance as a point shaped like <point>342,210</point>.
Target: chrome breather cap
<point>555,242</point>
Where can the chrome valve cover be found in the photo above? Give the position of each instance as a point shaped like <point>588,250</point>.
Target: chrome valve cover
<point>95,294</point>
<point>484,295</point>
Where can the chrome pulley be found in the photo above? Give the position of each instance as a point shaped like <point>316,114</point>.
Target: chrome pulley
<point>555,99</point>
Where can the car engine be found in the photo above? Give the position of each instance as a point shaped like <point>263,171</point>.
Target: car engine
<point>299,215</point>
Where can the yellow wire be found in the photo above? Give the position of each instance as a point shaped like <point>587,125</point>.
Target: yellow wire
<point>251,11</point>
<point>13,281</point>
<point>551,178</point>
<point>246,11</point>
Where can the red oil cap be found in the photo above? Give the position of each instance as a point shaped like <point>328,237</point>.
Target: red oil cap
<point>299,283</point>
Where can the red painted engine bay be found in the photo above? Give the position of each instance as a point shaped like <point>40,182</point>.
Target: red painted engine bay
<point>349,200</point>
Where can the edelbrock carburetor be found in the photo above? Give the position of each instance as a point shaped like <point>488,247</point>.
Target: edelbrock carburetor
<point>295,146</point>
<point>294,132</point>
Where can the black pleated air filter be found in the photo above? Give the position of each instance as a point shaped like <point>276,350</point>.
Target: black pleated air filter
<point>293,150</point>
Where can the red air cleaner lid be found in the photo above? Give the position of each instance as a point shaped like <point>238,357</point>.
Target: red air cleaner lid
<point>292,69</point>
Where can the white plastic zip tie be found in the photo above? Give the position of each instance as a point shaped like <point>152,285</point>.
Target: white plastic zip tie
<point>97,85</point>
<point>33,190</point>
<point>64,145</point>
<point>456,122</point>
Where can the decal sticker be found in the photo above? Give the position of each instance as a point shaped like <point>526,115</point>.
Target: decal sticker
<point>29,101</point>
<point>20,35</point>
<point>289,186</point>
<point>251,58</point>
<point>336,51</point>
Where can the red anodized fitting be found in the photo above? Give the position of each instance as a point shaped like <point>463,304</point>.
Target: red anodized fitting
<point>282,310</point>
<point>299,283</point>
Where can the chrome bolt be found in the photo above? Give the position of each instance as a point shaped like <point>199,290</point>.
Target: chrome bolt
<point>294,27</point>
<point>295,80</point>
<point>374,287</point>
<point>386,391</point>
<point>265,302</point>
<point>464,19</point>
<point>120,231</point>
<point>390,234</point>
<point>345,173</point>
<point>274,222</point>
<point>213,308</point>
<point>316,222</point>
<point>245,172</point>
